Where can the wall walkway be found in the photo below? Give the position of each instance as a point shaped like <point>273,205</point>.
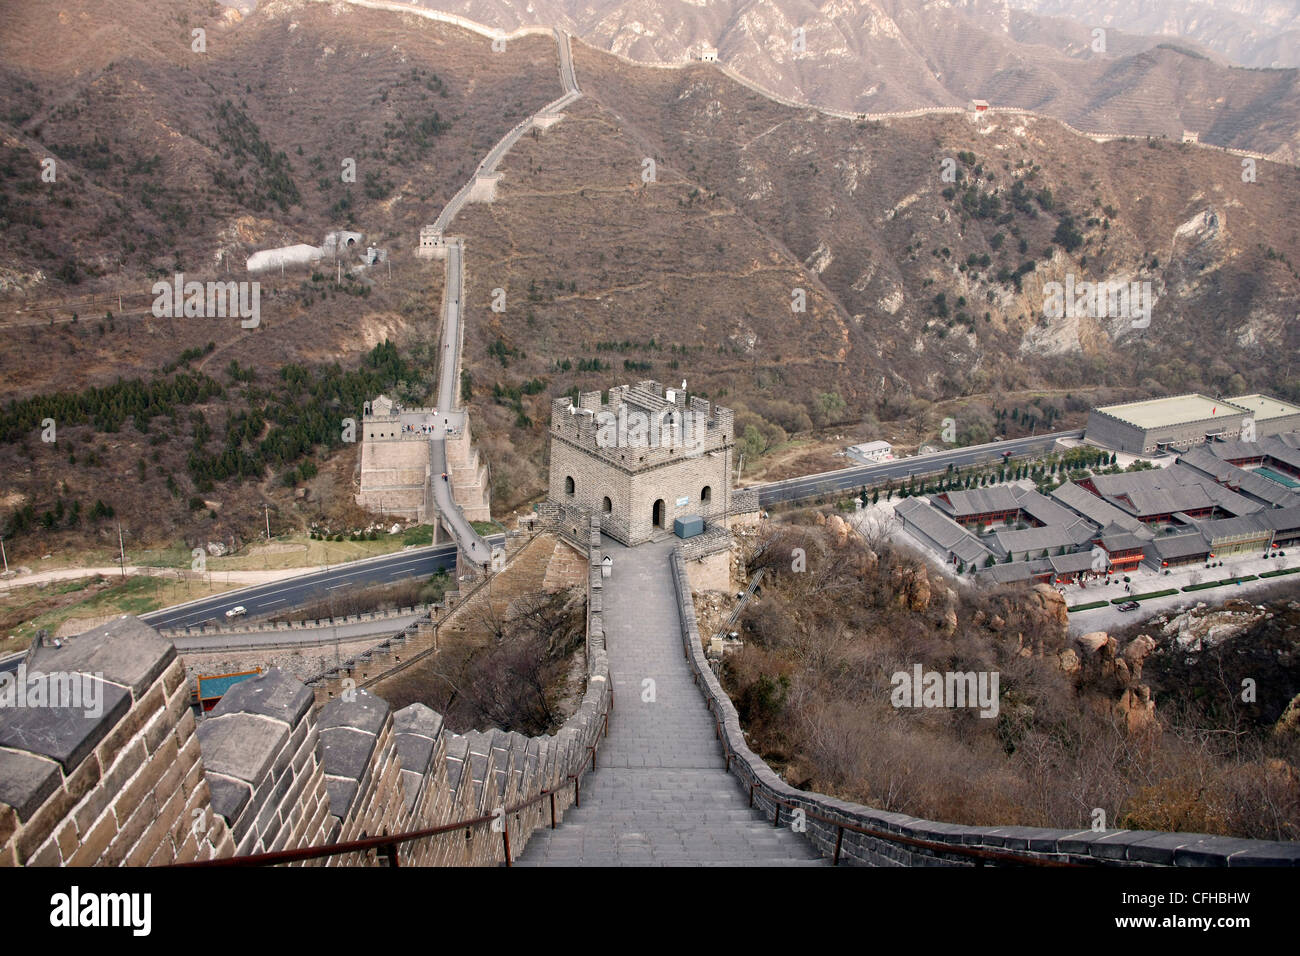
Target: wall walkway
<point>660,793</point>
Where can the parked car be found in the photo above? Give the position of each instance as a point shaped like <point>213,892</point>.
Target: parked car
<point>237,611</point>
<point>1129,606</point>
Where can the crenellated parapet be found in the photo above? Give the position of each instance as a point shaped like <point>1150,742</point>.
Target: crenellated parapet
<point>99,758</point>
<point>644,458</point>
<point>121,773</point>
<point>642,426</point>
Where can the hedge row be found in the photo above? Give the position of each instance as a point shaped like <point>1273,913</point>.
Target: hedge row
<point>1273,574</point>
<point>1087,607</point>
<point>1143,597</point>
<point>1216,584</point>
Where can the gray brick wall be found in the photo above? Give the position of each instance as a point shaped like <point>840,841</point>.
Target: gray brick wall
<point>140,784</point>
<point>634,478</point>
<point>880,838</point>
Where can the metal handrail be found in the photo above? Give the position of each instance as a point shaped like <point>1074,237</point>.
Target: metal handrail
<point>740,605</point>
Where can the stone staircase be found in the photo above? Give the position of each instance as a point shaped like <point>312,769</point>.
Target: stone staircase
<point>677,817</point>
<point>660,794</point>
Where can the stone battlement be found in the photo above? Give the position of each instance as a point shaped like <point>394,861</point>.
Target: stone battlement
<point>640,461</point>
<point>642,426</point>
<point>136,780</point>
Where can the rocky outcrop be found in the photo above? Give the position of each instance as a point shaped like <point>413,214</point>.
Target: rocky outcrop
<point>1203,627</point>
<point>1136,708</point>
<point>1097,661</point>
<point>1049,601</point>
<point>1288,725</point>
<point>911,584</point>
<point>1136,651</point>
<point>838,531</point>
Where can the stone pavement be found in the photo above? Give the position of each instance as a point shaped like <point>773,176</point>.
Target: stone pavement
<point>660,795</point>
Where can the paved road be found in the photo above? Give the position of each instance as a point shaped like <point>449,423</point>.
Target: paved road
<point>1146,580</point>
<point>292,592</point>
<point>793,489</point>
<point>296,591</point>
<point>661,793</point>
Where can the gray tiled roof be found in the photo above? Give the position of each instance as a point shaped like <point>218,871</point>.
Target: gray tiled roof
<point>1222,529</point>
<point>1282,451</point>
<point>1042,508</point>
<point>1179,545</point>
<point>976,500</point>
<point>1015,571</point>
<point>1122,542</point>
<point>1279,519</point>
<point>1049,537</point>
<point>1069,563</point>
<point>1201,462</point>
<point>1169,490</point>
<point>1097,510</point>
<point>1234,449</point>
<point>941,529</point>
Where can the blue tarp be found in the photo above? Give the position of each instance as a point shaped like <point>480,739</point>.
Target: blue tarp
<point>211,688</point>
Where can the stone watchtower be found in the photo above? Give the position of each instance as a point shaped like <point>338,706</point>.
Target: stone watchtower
<point>641,460</point>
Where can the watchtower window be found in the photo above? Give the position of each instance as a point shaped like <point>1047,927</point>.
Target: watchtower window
<point>607,505</point>
<point>568,484</point>
<point>706,493</point>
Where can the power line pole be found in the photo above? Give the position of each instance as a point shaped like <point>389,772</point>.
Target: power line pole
<point>121,551</point>
<point>267,511</point>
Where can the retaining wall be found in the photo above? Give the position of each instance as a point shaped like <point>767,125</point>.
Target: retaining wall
<point>903,840</point>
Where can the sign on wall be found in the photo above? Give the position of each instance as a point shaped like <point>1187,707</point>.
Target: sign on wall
<point>683,502</point>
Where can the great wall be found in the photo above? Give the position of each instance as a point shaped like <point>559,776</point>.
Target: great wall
<point>282,768</point>
<point>326,773</point>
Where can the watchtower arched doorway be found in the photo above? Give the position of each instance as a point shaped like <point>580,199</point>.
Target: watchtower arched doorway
<point>658,518</point>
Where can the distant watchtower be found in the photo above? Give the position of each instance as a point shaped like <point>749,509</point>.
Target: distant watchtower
<point>432,243</point>
<point>648,456</point>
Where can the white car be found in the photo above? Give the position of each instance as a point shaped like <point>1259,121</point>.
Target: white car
<point>237,611</point>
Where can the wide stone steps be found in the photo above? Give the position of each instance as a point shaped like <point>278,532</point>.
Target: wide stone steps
<point>660,794</point>
<point>628,820</point>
